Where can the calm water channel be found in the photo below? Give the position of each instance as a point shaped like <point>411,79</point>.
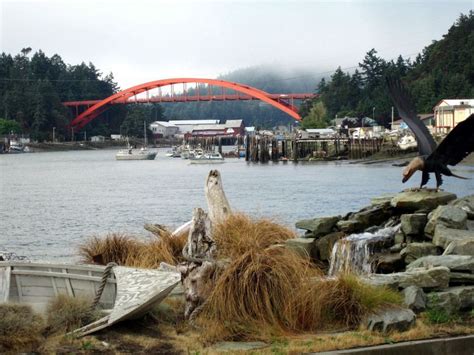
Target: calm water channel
<point>51,202</point>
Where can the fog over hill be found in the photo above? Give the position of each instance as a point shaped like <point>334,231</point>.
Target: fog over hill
<point>264,77</point>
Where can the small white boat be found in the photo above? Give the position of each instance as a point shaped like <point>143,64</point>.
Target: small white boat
<point>128,293</point>
<point>174,153</point>
<point>135,154</point>
<point>207,158</point>
<point>407,142</point>
<point>17,147</point>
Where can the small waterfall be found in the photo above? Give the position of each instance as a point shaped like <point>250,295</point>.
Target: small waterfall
<point>353,252</point>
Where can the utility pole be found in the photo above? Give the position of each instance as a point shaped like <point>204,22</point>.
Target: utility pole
<point>392,119</point>
<point>54,138</point>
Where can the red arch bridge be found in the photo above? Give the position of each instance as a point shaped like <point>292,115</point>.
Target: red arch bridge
<point>143,93</point>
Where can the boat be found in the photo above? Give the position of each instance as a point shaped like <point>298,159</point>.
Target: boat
<point>129,292</point>
<point>207,158</point>
<point>17,147</point>
<point>135,154</point>
<point>132,153</point>
<point>175,152</point>
<point>407,142</point>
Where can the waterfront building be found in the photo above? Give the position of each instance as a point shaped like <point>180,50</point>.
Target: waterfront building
<point>231,128</point>
<point>163,129</point>
<point>448,113</point>
<point>187,126</point>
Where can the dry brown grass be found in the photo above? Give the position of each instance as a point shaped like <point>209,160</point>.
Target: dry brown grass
<point>239,233</point>
<point>114,247</point>
<point>20,328</point>
<point>129,251</point>
<point>275,291</point>
<point>67,313</point>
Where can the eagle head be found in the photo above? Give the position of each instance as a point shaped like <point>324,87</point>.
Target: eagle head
<point>416,164</point>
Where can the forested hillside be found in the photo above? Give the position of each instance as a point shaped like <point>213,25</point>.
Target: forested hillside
<point>444,70</point>
<point>33,87</point>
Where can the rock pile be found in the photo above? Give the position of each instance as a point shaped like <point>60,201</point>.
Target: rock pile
<point>431,257</point>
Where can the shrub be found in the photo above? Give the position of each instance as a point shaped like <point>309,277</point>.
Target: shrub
<point>129,251</point>
<point>240,233</point>
<point>20,328</point>
<point>68,313</point>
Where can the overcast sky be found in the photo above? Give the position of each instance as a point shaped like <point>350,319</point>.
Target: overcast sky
<point>141,41</point>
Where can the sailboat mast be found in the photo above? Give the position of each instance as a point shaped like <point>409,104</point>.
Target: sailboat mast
<point>144,131</point>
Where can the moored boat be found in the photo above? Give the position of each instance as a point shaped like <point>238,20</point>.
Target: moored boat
<point>132,153</point>
<point>207,158</point>
<point>135,154</point>
<point>407,142</point>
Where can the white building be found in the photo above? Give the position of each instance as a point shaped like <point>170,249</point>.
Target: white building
<point>162,129</point>
<point>448,113</point>
<point>187,126</point>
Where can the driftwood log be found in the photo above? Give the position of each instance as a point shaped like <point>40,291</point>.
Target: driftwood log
<point>199,271</point>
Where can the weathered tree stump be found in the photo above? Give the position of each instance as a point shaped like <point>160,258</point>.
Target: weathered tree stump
<point>199,270</point>
<point>217,203</point>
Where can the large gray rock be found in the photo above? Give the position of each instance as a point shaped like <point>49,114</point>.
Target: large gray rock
<point>448,216</point>
<point>391,319</point>
<point>465,294</point>
<point>349,226</point>
<point>461,278</point>
<point>466,203</point>
<point>421,200</point>
<point>325,244</point>
<point>446,301</point>
<point>388,262</point>
<point>318,226</point>
<point>414,298</point>
<point>413,224</point>
<point>460,247</point>
<point>371,216</point>
<point>452,299</point>
<point>415,251</point>
<point>452,262</point>
<point>303,246</point>
<point>381,200</point>
<point>435,277</point>
<point>444,236</point>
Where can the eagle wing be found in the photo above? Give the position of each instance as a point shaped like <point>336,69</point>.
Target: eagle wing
<point>457,145</point>
<point>405,107</point>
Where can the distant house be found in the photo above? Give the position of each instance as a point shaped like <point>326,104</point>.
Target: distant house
<point>97,139</point>
<point>116,137</point>
<point>162,129</point>
<point>426,118</point>
<point>448,113</point>
<point>319,133</point>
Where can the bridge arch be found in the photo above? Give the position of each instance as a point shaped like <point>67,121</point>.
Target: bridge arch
<point>122,96</point>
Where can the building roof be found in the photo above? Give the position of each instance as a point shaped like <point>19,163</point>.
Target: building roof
<point>163,123</point>
<point>320,130</point>
<point>192,122</point>
<point>456,102</point>
<point>233,123</point>
<point>209,127</point>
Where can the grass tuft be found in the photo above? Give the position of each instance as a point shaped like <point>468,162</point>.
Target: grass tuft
<point>66,313</point>
<point>239,233</point>
<point>20,328</point>
<point>129,251</point>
